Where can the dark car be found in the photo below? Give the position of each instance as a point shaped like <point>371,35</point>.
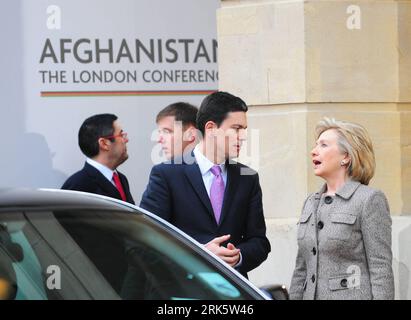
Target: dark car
<point>58,244</point>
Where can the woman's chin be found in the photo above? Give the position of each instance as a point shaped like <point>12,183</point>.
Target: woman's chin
<point>317,173</point>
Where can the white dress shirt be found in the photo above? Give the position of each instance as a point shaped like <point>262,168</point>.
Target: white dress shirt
<point>205,166</point>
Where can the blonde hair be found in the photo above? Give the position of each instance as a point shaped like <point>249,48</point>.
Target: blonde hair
<point>356,142</point>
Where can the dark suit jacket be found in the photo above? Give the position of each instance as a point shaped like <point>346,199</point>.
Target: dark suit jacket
<point>111,261</point>
<point>89,179</point>
<point>176,193</point>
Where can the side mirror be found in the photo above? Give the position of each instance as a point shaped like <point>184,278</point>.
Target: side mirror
<point>276,292</point>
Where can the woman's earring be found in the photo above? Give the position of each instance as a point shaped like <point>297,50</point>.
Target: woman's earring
<point>342,163</point>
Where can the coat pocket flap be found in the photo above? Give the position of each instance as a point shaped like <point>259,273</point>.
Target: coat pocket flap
<point>305,216</point>
<point>346,218</point>
<point>338,283</point>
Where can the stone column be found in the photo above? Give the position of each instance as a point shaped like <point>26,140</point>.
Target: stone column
<point>294,62</point>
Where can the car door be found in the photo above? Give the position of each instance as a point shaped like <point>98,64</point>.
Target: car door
<point>130,256</point>
<point>32,264</point>
<point>106,254</point>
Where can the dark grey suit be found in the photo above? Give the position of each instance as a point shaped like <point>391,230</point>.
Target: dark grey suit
<point>349,232</point>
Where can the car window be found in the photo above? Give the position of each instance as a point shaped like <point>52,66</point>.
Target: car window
<point>143,261</point>
<point>25,259</point>
<point>107,255</point>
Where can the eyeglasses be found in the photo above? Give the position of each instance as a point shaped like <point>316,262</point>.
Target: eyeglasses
<point>122,134</point>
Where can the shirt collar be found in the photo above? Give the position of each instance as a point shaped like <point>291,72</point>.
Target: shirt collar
<point>204,163</point>
<point>321,191</point>
<point>105,171</point>
<point>346,191</point>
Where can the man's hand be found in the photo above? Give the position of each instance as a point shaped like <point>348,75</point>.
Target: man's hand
<point>230,255</point>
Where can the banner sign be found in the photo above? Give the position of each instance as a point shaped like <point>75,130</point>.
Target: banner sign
<point>65,60</point>
<point>78,57</point>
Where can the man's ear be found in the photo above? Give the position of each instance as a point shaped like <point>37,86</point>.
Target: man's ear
<point>104,144</point>
<point>190,134</point>
<point>210,127</point>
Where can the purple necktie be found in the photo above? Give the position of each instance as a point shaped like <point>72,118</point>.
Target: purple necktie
<point>217,192</point>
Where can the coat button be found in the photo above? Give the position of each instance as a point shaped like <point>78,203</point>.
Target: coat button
<point>320,225</point>
<point>343,283</point>
<point>313,278</point>
<point>314,251</point>
<point>328,200</point>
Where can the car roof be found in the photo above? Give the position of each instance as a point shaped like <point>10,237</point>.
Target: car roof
<point>25,198</point>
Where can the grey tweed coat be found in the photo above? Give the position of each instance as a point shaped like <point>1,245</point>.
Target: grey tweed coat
<point>344,246</point>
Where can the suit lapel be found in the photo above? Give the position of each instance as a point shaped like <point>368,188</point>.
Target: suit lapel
<point>230,190</point>
<point>193,174</point>
<point>126,188</point>
<point>102,182</point>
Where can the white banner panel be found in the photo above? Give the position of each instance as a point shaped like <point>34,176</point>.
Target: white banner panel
<point>67,60</point>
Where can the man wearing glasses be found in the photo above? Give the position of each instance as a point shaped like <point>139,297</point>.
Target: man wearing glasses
<point>104,143</point>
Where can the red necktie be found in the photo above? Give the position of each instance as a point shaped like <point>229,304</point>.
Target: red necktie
<point>119,187</point>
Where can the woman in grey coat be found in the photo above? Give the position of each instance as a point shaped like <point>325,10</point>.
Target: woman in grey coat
<point>344,232</point>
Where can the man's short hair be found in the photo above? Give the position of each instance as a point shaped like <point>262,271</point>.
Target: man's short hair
<point>182,111</point>
<point>216,106</point>
<point>93,128</point>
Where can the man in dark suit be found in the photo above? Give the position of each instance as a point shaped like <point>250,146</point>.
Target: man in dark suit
<point>104,143</point>
<point>209,196</point>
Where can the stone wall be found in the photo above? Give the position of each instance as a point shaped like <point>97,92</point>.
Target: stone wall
<point>295,62</point>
